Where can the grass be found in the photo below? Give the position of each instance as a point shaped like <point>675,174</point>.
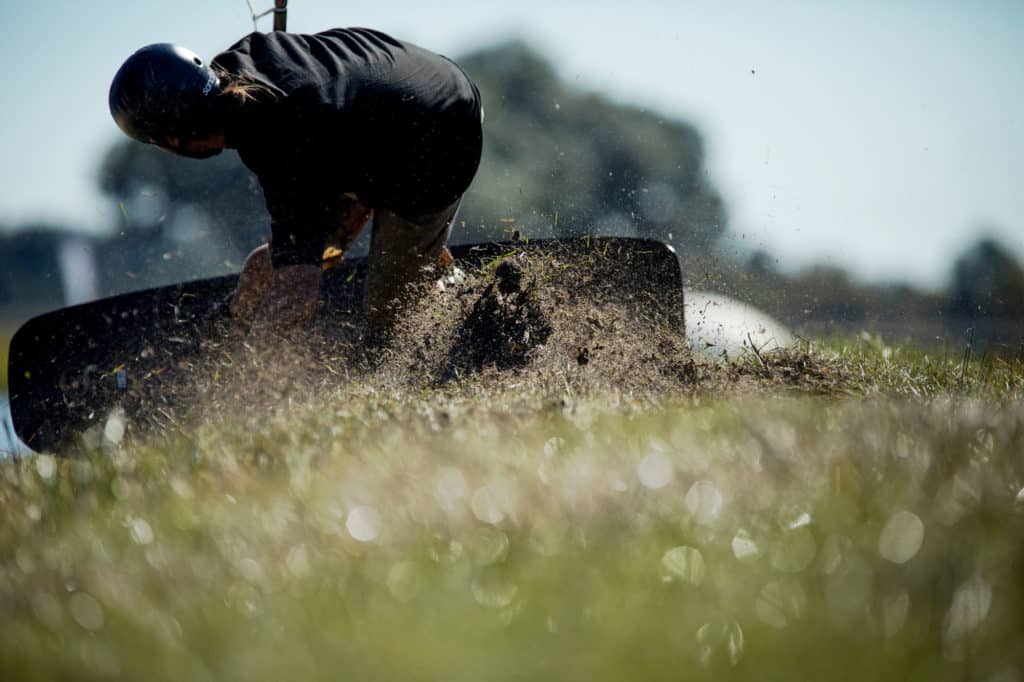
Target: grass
<point>851,511</point>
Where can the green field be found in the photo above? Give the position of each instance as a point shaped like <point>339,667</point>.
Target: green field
<point>842,514</point>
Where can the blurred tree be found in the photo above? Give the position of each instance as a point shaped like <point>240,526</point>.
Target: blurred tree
<point>153,186</point>
<point>761,263</point>
<point>560,161</point>
<point>30,275</point>
<point>987,281</point>
<point>178,218</point>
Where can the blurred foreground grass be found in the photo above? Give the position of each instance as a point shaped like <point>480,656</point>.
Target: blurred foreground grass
<point>858,514</point>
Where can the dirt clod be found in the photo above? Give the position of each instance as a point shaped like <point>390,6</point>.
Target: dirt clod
<point>504,325</point>
<point>509,276</point>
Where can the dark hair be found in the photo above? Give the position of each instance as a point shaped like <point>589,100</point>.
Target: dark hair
<point>244,89</point>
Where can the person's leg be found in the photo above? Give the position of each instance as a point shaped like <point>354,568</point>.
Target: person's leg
<point>257,275</point>
<point>291,300</point>
<point>275,298</point>
<point>402,255</point>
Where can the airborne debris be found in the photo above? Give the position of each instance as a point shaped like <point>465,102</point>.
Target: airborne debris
<point>528,319</point>
<point>527,328</point>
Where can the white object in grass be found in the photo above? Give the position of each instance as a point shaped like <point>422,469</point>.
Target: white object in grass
<point>720,327</point>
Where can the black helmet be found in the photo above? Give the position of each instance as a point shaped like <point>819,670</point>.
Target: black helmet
<point>165,90</point>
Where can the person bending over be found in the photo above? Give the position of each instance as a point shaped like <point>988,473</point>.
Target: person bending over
<point>340,128</point>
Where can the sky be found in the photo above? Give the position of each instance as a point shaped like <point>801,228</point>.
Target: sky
<point>884,137</point>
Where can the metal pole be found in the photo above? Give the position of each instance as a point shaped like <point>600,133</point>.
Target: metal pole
<point>280,14</point>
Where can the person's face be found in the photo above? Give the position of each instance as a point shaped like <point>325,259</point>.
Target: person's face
<point>196,148</point>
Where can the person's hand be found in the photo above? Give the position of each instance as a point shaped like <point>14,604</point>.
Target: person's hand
<point>291,299</point>
<point>352,217</point>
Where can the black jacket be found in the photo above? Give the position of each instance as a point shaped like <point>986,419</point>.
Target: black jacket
<point>353,110</point>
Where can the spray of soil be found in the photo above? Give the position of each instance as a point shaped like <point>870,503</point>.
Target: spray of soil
<point>529,330</point>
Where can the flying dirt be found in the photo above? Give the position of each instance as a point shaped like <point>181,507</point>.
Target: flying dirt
<point>545,321</point>
<point>550,318</point>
